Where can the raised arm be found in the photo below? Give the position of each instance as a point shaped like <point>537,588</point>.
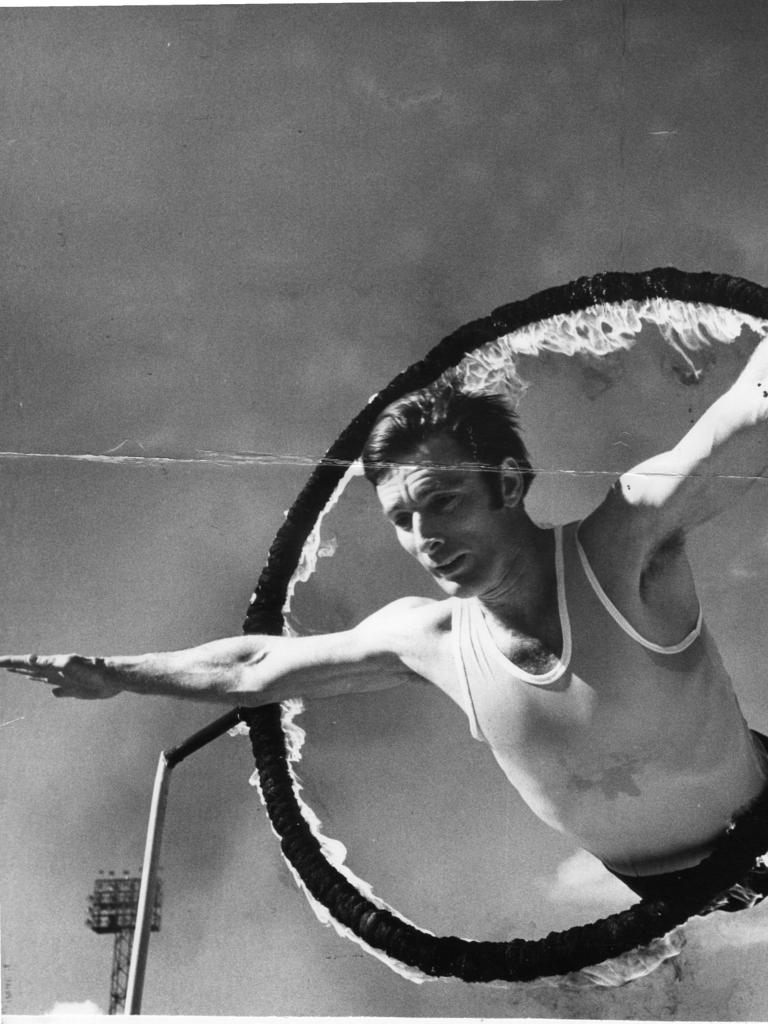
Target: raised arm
<point>714,464</point>
<point>635,540</point>
<point>248,670</point>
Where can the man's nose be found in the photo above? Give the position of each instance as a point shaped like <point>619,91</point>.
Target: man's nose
<point>428,540</point>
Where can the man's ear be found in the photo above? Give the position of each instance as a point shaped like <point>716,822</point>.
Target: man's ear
<point>511,482</point>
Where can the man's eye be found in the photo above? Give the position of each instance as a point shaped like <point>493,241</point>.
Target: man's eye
<point>444,502</point>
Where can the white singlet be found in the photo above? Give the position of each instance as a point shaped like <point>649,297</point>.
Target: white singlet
<point>639,751</point>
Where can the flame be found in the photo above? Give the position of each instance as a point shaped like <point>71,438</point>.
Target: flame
<point>599,331</point>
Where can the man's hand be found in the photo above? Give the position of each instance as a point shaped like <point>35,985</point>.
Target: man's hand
<point>70,675</point>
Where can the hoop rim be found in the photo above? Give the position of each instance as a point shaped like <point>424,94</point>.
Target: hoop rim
<point>519,959</point>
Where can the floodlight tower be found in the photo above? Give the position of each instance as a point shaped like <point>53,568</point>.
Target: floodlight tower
<point>112,911</point>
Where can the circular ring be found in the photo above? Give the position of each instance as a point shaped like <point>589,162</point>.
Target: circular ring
<point>518,959</point>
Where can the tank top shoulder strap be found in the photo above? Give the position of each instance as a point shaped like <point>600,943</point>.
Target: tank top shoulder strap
<point>464,640</point>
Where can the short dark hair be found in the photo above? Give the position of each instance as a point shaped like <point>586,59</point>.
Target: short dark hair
<point>485,426</point>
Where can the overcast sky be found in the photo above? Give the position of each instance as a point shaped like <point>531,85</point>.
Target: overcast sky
<point>222,230</point>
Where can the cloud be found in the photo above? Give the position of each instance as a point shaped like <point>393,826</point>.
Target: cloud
<point>583,879</point>
<point>85,1009</point>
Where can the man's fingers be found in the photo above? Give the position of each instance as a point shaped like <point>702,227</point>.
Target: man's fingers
<point>19,661</point>
<point>48,669</point>
<point>70,675</point>
<point>30,663</point>
<point>40,672</point>
<point>38,663</point>
<point>60,691</point>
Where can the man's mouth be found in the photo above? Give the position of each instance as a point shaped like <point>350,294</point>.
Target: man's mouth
<point>448,567</point>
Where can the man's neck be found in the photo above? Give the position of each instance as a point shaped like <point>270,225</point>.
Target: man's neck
<point>522,598</point>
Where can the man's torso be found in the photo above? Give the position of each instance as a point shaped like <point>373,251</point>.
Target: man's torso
<point>640,754</point>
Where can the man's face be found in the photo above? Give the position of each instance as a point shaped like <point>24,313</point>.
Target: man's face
<point>444,517</point>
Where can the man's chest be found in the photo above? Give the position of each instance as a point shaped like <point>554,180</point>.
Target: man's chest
<point>535,655</point>
<point>531,639</point>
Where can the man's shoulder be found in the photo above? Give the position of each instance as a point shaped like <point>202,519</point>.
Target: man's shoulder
<point>616,531</point>
<point>412,615</point>
<point>416,630</point>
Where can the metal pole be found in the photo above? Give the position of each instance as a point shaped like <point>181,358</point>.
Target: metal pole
<point>146,905</point>
<point>203,736</point>
<point>148,885</point>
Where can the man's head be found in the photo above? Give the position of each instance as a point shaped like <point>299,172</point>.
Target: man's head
<point>484,427</point>
<point>458,521</point>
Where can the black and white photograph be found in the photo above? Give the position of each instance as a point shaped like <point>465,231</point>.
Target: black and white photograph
<point>384,510</point>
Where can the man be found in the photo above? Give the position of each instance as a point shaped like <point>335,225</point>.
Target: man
<point>578,653</point>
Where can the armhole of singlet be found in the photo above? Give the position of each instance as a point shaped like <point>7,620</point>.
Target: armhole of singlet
<point>562,602</point>
<point>621,621</point>
<point>457,623</point>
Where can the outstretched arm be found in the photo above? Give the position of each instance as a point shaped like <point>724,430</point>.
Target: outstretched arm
<point>247,671</point>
